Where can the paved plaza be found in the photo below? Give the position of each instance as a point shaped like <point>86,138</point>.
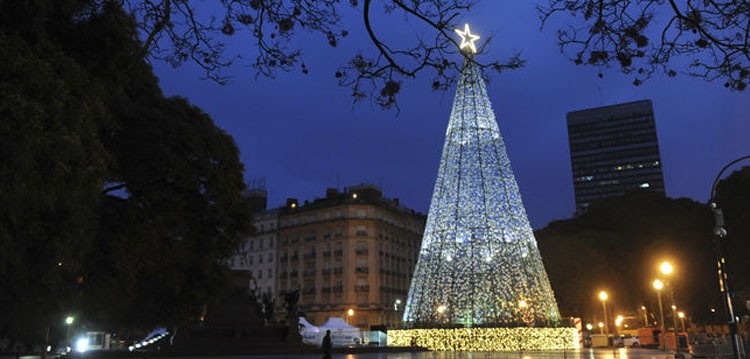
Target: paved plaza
<point>571,354</point>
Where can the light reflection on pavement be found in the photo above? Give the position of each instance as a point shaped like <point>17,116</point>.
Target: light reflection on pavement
<point>569,354</point>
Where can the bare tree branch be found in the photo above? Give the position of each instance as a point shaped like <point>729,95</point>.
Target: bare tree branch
<point>713,35</point>
<point>178,33</point>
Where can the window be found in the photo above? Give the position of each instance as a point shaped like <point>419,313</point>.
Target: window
<point>260,258</point>
<point>361,213</point>
<point>270,257</point>
<point>361,231</point>
<point>361,248</point>
<point>270,273</point>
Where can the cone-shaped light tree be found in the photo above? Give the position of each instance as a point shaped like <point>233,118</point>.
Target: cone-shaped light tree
<point>479,264</point>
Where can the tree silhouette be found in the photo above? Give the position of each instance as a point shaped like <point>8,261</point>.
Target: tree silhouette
<point>652,36</point>
<point>179,31</point>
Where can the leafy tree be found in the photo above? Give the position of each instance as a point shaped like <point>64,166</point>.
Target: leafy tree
<point>651,36</point>
<point>180,30</point>
<point>617,245</point>
<point>118,203</point>
<point>50,176</point>
<point>733,195</point>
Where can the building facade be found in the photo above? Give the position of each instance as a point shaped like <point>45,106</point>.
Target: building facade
<point>614,150</point>
<point>351,254</point>
<point>257,254</point>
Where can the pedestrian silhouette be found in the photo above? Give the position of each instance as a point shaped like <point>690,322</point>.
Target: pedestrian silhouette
<point>327,345</point>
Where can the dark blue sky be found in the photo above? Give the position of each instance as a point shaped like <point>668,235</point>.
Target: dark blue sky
<point>303,134</point>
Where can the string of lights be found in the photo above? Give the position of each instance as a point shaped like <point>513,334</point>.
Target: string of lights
<point>479,264</point>
<point>486,339</point>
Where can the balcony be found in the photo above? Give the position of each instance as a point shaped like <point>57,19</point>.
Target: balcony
<point>362,288</point>
<point>362,270</point>
<point>361,252</point>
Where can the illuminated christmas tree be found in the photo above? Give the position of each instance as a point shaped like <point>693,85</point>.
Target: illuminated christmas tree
<point>479,263</point>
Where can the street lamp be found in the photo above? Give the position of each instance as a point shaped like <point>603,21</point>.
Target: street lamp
<point>682,320</point>
<point>618,323</point>
<point>659,285</point>
<point>601,328</point>
<point>667,269</point>
<point>349,313</point>
<point>68,322</point>
<point>720,234</point>
<point>603,297</point>
<point>645,316</point>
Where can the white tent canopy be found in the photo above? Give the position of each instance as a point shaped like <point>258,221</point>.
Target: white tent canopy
<point>336,323</point>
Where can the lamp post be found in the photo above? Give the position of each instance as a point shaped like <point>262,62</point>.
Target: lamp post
<point>682,319</point>
<point>720,234</point>
<point>396,303</point>
<point>676,334</point>
<point>603,297</point>
<point>618,323</point>
<point>645,316</point>
<point>68,322</point>
<point>349,314</point>
<point>666,269</point>
<point>659,285</point>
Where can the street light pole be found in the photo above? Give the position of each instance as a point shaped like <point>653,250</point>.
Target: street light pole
<point>658,285</point>
<point>674,322</point>
<point>667,269</point>
<point>682,320</point>
<point>603,296</point>
<point>720,234</point>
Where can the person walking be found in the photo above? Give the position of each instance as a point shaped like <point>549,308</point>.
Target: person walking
<point>327,345</point>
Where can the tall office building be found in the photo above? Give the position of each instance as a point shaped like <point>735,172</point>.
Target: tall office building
<point>614,150</point>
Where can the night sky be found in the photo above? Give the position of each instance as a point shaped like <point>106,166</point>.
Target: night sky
<point>303,134</point>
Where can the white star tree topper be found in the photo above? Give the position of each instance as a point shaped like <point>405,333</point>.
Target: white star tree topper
<point>467,39</point>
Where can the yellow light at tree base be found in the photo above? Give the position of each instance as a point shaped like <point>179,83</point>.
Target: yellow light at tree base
<point>486,339</point>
